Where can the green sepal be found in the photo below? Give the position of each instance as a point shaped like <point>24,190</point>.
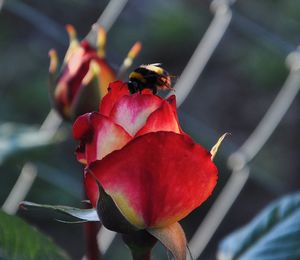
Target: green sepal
<point>173,238</point>
<point>110,215</point>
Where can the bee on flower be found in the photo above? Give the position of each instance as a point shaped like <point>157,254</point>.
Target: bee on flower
<point>136,150</point>
<point>151,76</point>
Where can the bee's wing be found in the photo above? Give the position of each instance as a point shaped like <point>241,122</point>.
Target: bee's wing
<point>156,64</point>
<point>152,64</point>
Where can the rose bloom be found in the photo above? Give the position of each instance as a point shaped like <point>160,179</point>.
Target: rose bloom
<point>84,76</point>
<point>154,172</point>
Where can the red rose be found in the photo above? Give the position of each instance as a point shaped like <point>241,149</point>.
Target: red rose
<point>134,146</point>
<point>83,79</point>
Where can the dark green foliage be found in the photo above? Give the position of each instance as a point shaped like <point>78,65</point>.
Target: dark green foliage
<point>18,240</point>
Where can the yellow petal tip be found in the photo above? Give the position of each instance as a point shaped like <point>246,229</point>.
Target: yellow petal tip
<point>216,147</point>
<point>53,61</point>
<point>135,50</point>
<point>94,71</point>
<point>71,32</point>
<point>101,40</point>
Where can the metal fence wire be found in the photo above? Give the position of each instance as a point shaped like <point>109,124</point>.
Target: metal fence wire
<point>238,161</point>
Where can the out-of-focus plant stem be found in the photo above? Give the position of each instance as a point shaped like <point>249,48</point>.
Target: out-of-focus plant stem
<point>91,230</point>
<point>1,4</point>
<point>140,244</point>
<point>141,256</point>
<point>21,187</point>
<point>107,18</point>
<point>29,172</point>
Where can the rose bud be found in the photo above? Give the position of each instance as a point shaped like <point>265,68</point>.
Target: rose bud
<point>83,78</point>
<point>136,151</point>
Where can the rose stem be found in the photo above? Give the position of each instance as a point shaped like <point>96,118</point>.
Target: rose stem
<point>91,230</point>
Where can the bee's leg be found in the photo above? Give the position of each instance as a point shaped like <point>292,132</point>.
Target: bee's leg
<point>132,87</point>
<point>154,90</point>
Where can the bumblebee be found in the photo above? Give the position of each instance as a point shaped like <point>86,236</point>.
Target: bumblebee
<point>150,76</point>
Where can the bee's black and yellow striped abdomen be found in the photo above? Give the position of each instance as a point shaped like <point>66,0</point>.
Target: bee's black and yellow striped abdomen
<point>150,77</point>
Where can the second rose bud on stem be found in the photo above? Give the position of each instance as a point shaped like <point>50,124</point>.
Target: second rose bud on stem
<point>84,75</point>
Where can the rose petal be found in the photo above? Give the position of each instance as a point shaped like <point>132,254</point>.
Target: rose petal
<point>162,119</point>
<point>157,179</point>
<point>67,87</point>
<point>73,72</point>
<point>131,112</point>
<point>99,136</point>
<point>91,189</point>
<point>116,90</point>
<point>81,126</point>
<point>107,137</point>
<point>82,132</point>
<point>70,79</point>
<point>172,102</point>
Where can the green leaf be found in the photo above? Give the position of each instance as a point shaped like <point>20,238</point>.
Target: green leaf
<point>75,215</point>
<point>17,137</point>
<point>273,234</point>
<point>18,240</point>
<point>173,238</point>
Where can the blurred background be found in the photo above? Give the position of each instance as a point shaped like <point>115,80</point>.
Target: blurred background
<point>237,86</point>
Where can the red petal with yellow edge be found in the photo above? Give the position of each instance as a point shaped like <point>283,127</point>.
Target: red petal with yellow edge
<point>99,136</point>
<point>116,90</point>
<point>163,119</point>
<point>157,179</point>
<point>131,112</point>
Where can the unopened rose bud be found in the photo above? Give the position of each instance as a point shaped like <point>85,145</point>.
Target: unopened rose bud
<point>135,148</point>
<point>83,78</point>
